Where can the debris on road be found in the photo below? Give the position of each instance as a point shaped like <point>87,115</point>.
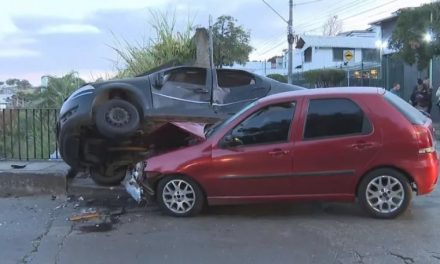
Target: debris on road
<point>18,166</point>
<point>84,216</point>
<point>100,224</point>
<point>93,220</point>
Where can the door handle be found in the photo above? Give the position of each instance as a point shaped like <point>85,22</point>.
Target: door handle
<point>278,152</point>
<point>361,145</point>
<point>201,91</point>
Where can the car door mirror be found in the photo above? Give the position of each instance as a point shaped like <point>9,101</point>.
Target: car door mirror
<point>230,142</point>
<point>159,80</point>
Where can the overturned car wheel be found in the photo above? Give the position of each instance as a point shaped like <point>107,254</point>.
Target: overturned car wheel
<point>117,118</point>
<point>113,178</point>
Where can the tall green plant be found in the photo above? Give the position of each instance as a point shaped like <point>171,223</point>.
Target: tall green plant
<point>58,89</point>
<point>168,44</point>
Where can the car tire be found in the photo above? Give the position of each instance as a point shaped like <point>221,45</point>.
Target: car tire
<point>117,118</point>
<point>179,196</point>
<point>385,193</point>
<point>113,179</point>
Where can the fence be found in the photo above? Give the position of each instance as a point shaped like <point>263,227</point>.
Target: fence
<point>28,134</point>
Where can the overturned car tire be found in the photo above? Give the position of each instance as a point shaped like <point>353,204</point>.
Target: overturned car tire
<point>109,179</point>
<point>117,118</point>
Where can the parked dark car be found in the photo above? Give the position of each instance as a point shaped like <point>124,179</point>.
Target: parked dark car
<point>105,126</point>
<point>336,144</point>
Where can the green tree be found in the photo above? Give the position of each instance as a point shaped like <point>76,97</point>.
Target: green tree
<point>20,84</point>
<point>168,45</point>
<point>58,89</point>
<point>409,35</point>
<point>12,81</point>
<point>231,42</point>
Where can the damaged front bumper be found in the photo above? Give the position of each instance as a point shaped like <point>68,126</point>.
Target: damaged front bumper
<point>134,183</point>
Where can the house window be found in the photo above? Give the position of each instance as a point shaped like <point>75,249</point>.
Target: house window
<point>308,54</point>
<point>371,55</point>
<point>338,54</point>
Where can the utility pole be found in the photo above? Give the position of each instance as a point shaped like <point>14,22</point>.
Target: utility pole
<point>430,60</point>
<point>290,40</point>
<point>290,37</point>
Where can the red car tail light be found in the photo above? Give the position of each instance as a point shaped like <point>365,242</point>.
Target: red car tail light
<point>424,139</point>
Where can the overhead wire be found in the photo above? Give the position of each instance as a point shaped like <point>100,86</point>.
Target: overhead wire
<point>336,11</point>
<point>359,13</point>
<point>342,8</point>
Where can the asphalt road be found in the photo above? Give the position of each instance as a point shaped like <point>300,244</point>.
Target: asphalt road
<point>36,230</point>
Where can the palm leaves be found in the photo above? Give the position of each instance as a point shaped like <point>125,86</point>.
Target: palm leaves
<point>56,91</point>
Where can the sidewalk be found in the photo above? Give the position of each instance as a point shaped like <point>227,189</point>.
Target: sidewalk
<point>37,177</point>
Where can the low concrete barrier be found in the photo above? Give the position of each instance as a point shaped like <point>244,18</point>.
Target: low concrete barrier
<point>48,177</point>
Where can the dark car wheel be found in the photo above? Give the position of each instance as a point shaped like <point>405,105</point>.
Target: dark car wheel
<point>179,196</point>
<point>385,193</point>
<point>109,179</point>
<point>117,118</point>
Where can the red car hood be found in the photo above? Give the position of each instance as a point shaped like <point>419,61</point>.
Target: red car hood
<point>196,129</point>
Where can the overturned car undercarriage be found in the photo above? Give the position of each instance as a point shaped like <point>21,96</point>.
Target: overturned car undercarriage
<point>122,154</point>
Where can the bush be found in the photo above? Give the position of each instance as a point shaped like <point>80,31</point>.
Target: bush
<point>278,77</point>
<point>167,45</point>
<point>324,77</point>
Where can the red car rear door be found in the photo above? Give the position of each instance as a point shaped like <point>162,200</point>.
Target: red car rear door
<point>336,143</point>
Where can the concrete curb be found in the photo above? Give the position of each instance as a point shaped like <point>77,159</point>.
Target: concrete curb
<point>34,178</point>
<point>85,187</point>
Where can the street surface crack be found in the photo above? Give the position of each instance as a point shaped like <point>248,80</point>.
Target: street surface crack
<point>37,241</point>
<point>436,257</point>
<point>359,256</point>
<point>61,245</point>
<point>406,260</point>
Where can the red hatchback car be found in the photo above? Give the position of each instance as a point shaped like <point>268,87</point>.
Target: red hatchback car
<point>338,144</point>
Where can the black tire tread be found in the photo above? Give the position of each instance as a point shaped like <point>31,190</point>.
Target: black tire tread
<point>107,180</point>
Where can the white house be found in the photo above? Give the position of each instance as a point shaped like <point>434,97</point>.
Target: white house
<point>264,67</point>
<point>318,52</point>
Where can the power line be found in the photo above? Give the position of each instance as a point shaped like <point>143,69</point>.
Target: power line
<point>271,40</point>
<point>344,8</point>
<point>272,43</point>
<point>307,2</point>
<point>276,12</point>
<point>272,48</point>
<point>362,12</point>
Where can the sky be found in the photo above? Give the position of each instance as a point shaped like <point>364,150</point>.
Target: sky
<point>54,37</point>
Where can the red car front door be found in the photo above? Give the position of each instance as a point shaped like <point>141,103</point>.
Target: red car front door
<point>258,161</point>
